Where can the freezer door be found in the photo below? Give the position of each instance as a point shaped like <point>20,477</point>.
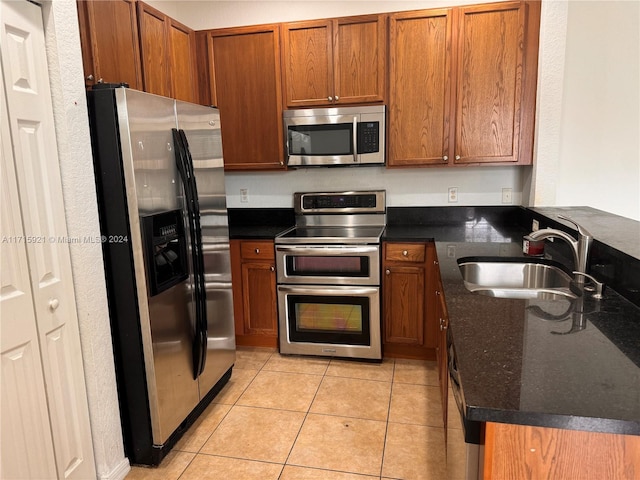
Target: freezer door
<point>202,129</point>
<point>153,186</point>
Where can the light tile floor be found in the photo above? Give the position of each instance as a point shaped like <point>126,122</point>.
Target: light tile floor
<point>298,418</point>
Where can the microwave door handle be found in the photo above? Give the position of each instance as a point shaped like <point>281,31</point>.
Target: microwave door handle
<point>355,139</point>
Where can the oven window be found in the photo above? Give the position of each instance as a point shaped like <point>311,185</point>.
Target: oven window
<point>321,140</point>
<point>329,319</point>
<point>327,266</point>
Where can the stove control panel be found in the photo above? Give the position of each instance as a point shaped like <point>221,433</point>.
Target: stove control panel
<point>340,202</point>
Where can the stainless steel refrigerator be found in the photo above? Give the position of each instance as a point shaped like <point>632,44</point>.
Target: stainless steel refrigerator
<point>160,184</point>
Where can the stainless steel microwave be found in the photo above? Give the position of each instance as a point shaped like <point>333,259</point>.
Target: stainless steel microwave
<point>335,136</point>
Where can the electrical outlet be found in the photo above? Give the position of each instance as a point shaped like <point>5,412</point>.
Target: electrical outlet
<point>507,194</point>
<point>535,225</point>
<point>453,194</point>
<point>451,251</point>
<point>244,195</point>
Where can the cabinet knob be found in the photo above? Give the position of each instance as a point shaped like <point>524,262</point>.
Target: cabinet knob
<point>457,157</point>
<point>387,271</point>
<point>54,303</point>
<point>257,251</point>
<point>438,293</point>
<point>435,262</point>
<point>337,98</point>
<point>445,158</point>
<point>272,268</point>
<point>405,253</point>
<point>90,77</point>
<point>330,99</point>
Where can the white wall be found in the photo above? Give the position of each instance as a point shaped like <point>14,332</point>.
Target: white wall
<point>407,187</point>
<point>588,126</point>
<point>586,149</point>
<point>81,209</point>
<point>201,15</point>
<point>600,126</point>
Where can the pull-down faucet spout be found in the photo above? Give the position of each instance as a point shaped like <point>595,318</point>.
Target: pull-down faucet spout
<point>579,247</point>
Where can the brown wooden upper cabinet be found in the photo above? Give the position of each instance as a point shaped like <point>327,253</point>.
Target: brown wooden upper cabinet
<point>153,49</point>
<point>109,39</point>
<point>183,61</point>
<point>168,55</point>
<point>419,87</point>
<point>462,85</point>
<point>129,41</point>
<point>335,61</point>
<point>245,82</point>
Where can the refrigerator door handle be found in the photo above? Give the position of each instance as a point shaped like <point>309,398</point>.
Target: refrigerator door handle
<point>202,297</point>
<point>193,215</point>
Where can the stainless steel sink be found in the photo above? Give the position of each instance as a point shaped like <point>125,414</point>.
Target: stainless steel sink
<point>515,278</point>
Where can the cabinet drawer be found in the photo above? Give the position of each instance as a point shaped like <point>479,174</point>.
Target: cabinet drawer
<point>257,250</point>
<point>405,252</point>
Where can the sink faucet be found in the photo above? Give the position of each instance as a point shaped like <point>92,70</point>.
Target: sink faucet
<point>580,247</point>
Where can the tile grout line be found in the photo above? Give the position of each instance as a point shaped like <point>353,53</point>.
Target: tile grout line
<point>306,414</point>
<point>222,419</point>
<point>386,429</point>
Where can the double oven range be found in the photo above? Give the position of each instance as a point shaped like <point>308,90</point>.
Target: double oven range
<point>328,275</point>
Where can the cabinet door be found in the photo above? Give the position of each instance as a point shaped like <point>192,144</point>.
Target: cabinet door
<point>154,48</point>
<point>419,88</point>
<point>259,292</point>
<point>308,63</point>
<point>109,35</point>
<point>489,82</point>
<point>245,81</point>
<point>182,61</point>
<point>526,451</point>
<point>360,59</point>
<point>404,304</point>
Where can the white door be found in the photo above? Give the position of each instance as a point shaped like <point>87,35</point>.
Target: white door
<point>36,271</point>
<point>27,448</point>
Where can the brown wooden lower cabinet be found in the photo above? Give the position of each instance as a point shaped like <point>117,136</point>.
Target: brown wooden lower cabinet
<point>408,300</point>
<point>531,453</point>
<point>254,292</point>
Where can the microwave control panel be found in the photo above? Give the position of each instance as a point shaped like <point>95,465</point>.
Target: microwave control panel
<point>368,137</point>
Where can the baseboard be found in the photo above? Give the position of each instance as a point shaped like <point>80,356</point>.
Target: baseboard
<point>119,472</point>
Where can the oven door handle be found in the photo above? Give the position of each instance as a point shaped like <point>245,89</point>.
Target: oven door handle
<point>327,250</point>
<point>320,290</point>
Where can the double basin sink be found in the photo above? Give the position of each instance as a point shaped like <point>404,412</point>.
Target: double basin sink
<point>520,278</point>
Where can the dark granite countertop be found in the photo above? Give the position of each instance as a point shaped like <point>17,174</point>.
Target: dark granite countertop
<point>534,362</point>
